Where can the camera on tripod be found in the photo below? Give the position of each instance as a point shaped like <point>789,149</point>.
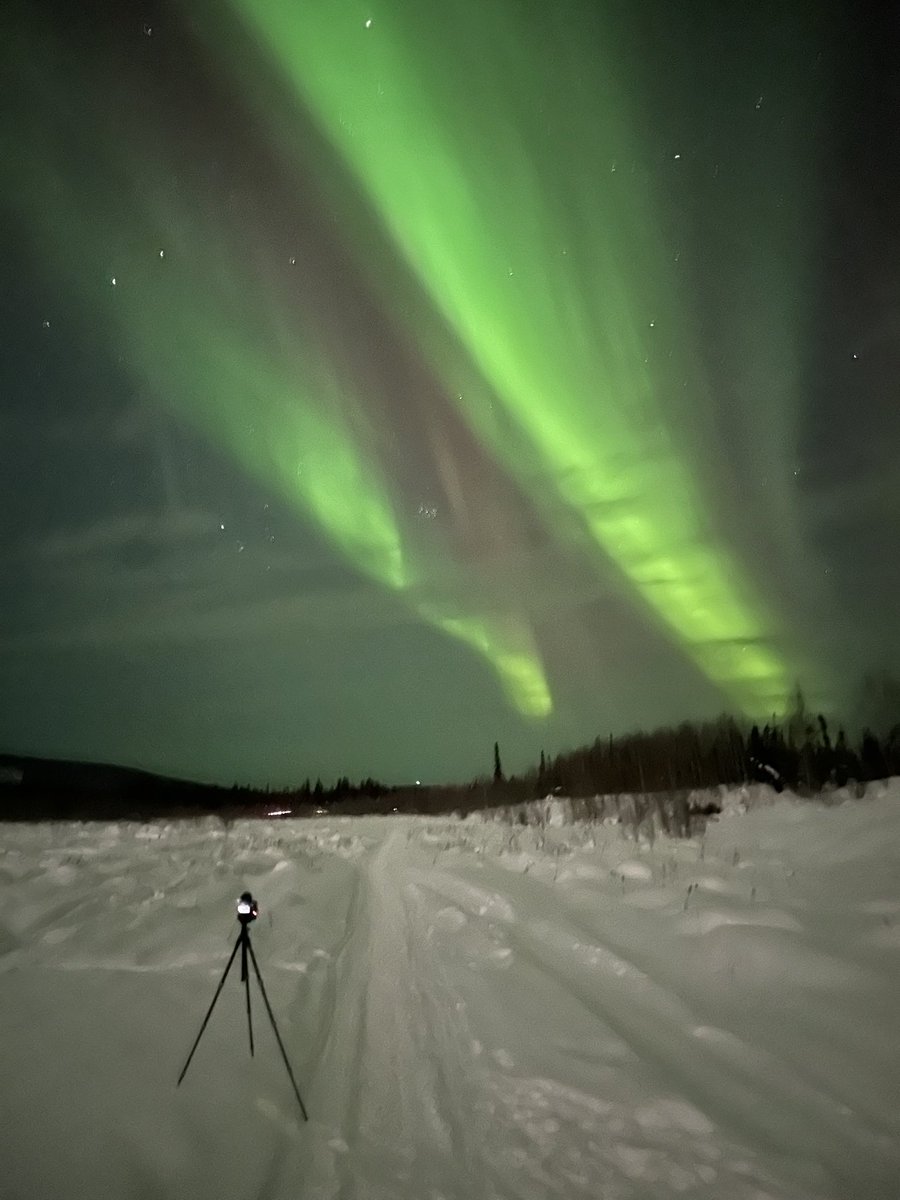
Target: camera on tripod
<point>247,911</point>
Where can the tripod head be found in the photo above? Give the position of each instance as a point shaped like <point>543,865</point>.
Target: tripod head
<point>247,909</point>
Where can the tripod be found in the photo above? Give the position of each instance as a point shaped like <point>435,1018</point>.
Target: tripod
<point>248,911</point>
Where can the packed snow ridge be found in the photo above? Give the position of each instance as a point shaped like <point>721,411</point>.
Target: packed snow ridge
<point>473,1009</point>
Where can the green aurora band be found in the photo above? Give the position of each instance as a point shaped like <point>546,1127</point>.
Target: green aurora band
<point>495,149</point>
<point>214,342</point>
<point>492,144</point>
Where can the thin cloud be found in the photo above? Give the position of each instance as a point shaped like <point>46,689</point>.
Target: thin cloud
<point>115,533</point>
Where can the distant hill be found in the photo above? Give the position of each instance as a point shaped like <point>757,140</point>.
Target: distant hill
<point>38,788</point>
<point>29,771</point>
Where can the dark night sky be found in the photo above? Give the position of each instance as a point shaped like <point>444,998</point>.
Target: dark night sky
<point>381,383</point>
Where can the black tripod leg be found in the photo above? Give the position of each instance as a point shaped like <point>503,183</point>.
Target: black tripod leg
<point>209,1011</point>
<point>249,1019</point>
<point>287,1064</point>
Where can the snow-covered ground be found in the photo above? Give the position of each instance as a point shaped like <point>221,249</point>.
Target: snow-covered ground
<point>472,1010</point>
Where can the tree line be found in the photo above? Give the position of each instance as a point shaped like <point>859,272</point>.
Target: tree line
<point>801,753</point>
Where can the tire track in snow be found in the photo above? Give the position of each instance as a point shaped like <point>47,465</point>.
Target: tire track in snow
<point>387,1092</point>
<point>742,1088</point>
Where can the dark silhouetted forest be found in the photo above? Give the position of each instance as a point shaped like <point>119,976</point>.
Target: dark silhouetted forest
<point>803,754</point>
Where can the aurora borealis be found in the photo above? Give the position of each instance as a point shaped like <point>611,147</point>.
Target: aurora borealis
<point>386,379</point>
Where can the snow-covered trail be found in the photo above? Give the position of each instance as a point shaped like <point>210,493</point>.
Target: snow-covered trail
<point>472,1011</point>
<point>390,1081</point>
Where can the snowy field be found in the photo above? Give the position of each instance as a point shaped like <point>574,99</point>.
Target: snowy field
<point>472,1010</point>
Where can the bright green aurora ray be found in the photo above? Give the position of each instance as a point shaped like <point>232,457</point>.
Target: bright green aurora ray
<point>493,143</point>
<point>212,339</point>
